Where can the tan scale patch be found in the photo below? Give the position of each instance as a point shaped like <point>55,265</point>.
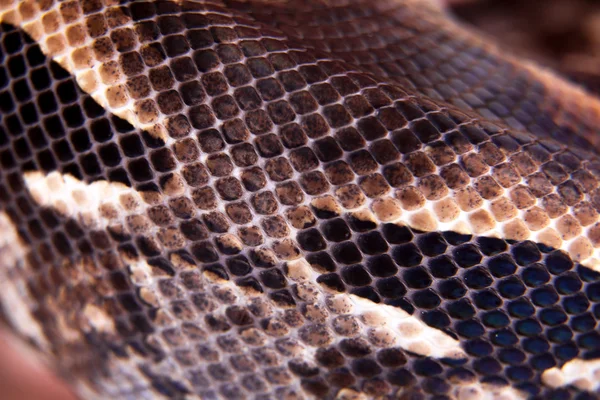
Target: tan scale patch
<point>73,198</point>
<point>88,59</point>
<point>583,374</point>
<point>98,319</point>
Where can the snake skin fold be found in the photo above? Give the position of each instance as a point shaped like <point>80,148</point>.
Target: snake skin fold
<point>293,199</point>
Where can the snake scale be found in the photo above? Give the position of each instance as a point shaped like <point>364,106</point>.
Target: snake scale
<point>293,199</point>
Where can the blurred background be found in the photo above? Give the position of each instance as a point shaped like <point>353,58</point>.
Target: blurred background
<point>562,34</point>
<point>21,376</point>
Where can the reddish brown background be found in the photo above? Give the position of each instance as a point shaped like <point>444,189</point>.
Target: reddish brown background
<point>563,34</point>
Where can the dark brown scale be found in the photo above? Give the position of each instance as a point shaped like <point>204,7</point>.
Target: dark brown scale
<point>384,151</point>
<point>201,117</point>
<point>337,116</point>
<point>405,141</point>
<point>169,102</point>
<point>259,67</point>
<point>303,102</point>
<point>269,89</point>
<point>178,126</point>
<point>160,215</point>
<point>216,222</point>
<point>362,162</point>
<point>247,98</point>
<point>229,188</point>
<point>96,25</point>
<point>440,153</point>
<point>358,106</point>
<point>186,150</point>
<point>214,83</point>
<point>251,236</point>
<point>303,159</point>
<point>131,63</point>
<point>225,107</point>
<point>339,173</point>
<point>192,93</point>
<point>264,203</point>
<point>176,45</point>
<point>292,80</point>
<point>253,179</point>
<point>390,118</point>
<point>235,131</point>
<point>506,175</point>
<point>210,141</point>
<point>195,174</point>
<point>293,136</point>
<point>182,207</point>
<point>278,169</point>
<point>161,78</point>
<point>555,172</point>
<point>103,49</point>
<point>219,164</point>
<point>239,213</point>
<point>539,184</point>
<point>206,60</point>
<point>474,165</point>
<point>314,125</point>
<point>280,112</point>
<point>488,188</point>
<point>244,155</point>
<point>269,145</point>
<point>419,164</point>
<point>204,198</point>
<point>314,183</point>
<point>397,175</point>
<point>275,227</point>
<point>570,193</point>
<point>124,39</point>
<point>258,122</point>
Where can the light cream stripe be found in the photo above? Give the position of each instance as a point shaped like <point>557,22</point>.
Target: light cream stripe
<point>385,326</point>
<point>54,43</point>
<point>84,202</point>
<point>583,374</point>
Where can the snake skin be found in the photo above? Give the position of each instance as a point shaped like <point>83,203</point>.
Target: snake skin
<point>281,199</point>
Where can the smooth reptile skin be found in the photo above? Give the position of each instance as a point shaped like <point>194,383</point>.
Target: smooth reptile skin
<point>294,199</point>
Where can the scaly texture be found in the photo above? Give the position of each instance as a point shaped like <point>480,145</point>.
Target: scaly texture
<point>284,199</point>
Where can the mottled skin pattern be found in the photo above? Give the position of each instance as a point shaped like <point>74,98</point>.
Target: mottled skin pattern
<point>284,199</point>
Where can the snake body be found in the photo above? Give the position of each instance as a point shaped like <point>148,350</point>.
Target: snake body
<point>279,199</point>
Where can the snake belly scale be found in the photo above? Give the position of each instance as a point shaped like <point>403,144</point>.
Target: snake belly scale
<point>280,199</point>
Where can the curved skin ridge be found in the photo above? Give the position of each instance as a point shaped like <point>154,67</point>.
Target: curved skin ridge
<point>571,98</point>
<point>280,199</point>
<point>107,86</point>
